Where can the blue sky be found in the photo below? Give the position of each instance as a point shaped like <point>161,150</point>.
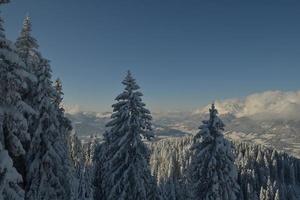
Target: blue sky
<point>183,53</point>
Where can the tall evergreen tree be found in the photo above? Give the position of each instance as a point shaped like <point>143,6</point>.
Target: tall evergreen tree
<point>277,195</point>
<point>9,178</point>
<point>27,49</point>
<point>213,175</point>
<point>14,137</point>
<point>58,98</point>
<point>83,189</point>
<point>48,171</point>
<point>99,182</point>
<point>127,173</point>
<point>26,44</point>
<point>65,128</point>
<point>14,78</point>
<point>64,122</point>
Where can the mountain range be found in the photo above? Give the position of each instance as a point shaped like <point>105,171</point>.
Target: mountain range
<point>271,118</point>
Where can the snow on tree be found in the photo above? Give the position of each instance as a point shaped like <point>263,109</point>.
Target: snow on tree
<point>82,184</point>
<point>263,194</point>
<point>89,149</point>
<point>26,44</point>
<point>65,128</point>
<point>277,195</point>
<point>65,125</point>
<point>127,173</point>
<point>171,187</point>
<point>249,170</point>
<point>99,173</point>
<point>14,79</point>
<point>213,175</point>
<point>49,170</point>
<point>274,171</point>
<point>27,49</point>
<point>86,174</point>
<point>270,190</point>
<point>10,179</point>
<point>169,161</point>
<point>58,98</point>
<point>267,193</point>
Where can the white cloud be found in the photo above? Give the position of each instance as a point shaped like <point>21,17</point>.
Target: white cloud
<point>266,105</point>
<point>72,109</point>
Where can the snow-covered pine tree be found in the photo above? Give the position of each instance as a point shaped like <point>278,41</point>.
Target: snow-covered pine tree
<point>48,171</point>
<point>98,182</point>
<point>27,49</point>
<point>263,194</point>
<point>9,178</point>
<point>277,195</point>
<point>13,127</point>
<point>127,172</point>
<point>26,44</point>
<point>83,187</point>
<point>212,174</point>
<point>270,189</point>
<point>249,170</point>
<point>76,151</point>
<point>89,149</point>
<point>58,98</point>
<point>65,128</point>
<point>65,125</point>
<point>14,77</point>
<point>170,188</point>
<point>84,165</point>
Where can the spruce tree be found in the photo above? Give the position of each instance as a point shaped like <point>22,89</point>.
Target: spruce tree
<point>262,194</point>
<point>65,128</point>
<point>83,190</point>
<point>10,179</point>
<point>14,82</point>
<point>99,175</point>
<point>65,124</point>
<point>277,195</point>
<point>48,171</point>
<point>212,174</point>
<point>13,125</point>
<point>58,98</point>
<point>26,44</point>
<point>27,49</point>
<point>127,172</point>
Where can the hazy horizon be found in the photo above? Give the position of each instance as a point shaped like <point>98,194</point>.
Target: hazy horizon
<point>271,104</point>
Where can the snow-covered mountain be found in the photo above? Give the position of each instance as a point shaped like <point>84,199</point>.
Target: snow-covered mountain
<point>266,105</point>
<point>269,118</point>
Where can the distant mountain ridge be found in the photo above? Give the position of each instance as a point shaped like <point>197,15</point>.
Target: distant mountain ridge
<point>271,118</point>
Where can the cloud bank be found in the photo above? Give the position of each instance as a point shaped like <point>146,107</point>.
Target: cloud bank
<point>265,105</point>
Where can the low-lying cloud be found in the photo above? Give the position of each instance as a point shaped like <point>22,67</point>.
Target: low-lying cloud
<point>265,105</point>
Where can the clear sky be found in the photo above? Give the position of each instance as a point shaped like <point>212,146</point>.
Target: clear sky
<point>183,53</point>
